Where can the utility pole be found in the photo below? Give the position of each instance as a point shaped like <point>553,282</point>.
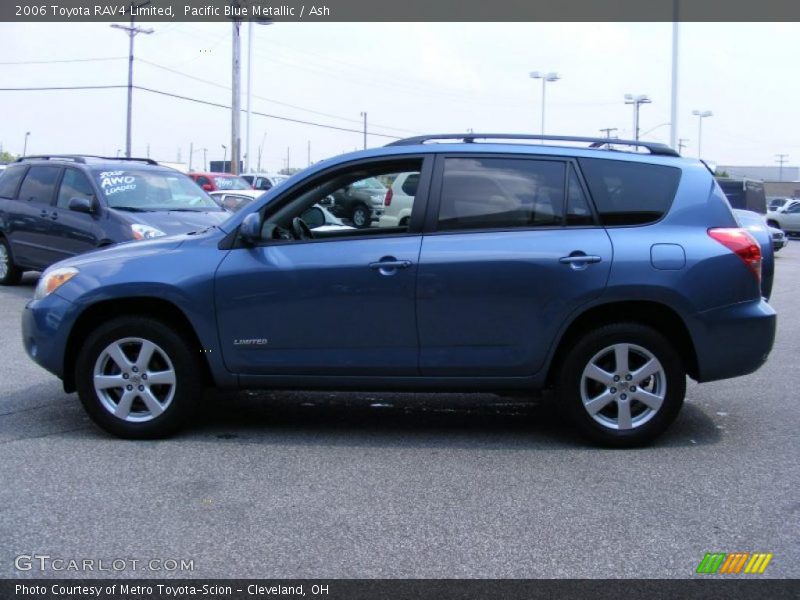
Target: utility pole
<point>682,142</point>
<point>608,131</point>
<point>148,150</point>
<point>309,153</point>
<point>288,164</point>
<point>364,114</point>
<point>781,159</point>
<point>25,146</point>
<point>132,30</point>
<point>236,101</point>
<point>191,154</point>
<point>205,159</point>
<point>249,93</point>
<point>636,101</point>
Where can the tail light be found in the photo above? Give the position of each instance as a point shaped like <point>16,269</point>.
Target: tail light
<point>388,200</point>
<point>742,244</point>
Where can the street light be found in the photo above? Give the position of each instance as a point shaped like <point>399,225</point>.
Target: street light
<point>25,145</point>
<point>545,77</point>
<point>701,114</point>
<point>224,154</point>
<point>637,101</point>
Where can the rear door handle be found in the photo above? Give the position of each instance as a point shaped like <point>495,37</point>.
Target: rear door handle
<point>580,258</point>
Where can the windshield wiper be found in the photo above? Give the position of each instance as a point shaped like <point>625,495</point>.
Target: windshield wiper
<point>189,209</point>
<point>131,208</point>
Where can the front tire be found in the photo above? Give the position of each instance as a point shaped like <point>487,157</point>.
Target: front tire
<point>622,385</point>
<point>10,274</point>
<point>137,378</point>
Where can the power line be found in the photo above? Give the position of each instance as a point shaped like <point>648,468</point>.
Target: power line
<point>189,99</point>
<point>265,99</point>
<point>66,60</point>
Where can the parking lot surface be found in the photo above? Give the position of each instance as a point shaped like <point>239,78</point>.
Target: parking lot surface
<point>373,484</point>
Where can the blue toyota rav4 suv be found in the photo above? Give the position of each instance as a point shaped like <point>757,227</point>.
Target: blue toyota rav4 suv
<point>607,275</point>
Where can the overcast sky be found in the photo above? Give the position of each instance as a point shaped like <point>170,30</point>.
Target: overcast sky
<point>410,78</point>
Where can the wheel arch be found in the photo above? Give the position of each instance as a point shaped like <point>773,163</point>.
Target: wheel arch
<point>659,316</point>
<point>101,312</point>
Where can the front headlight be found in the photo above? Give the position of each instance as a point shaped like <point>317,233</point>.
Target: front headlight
<point>51,280</point>
<point>145,232</point>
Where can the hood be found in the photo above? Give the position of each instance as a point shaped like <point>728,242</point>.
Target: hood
<point>119,252</point>
<point>173,221</point>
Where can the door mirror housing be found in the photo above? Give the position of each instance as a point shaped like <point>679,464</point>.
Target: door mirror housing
<point>313,217</point>
<point>207,187</point>
<point>250,229</point>
<point>82,205</point>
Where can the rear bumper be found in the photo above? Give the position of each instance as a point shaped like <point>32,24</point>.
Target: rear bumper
<point>734,340</point>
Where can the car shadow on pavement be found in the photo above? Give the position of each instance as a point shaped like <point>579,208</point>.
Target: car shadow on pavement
<point>409,419</point>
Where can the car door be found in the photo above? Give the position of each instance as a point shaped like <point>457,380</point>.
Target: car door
<point>340,304</point>
<point>31,225</point>
<point>73,232</point>
<point>511,250</point>
<point>790,218</point>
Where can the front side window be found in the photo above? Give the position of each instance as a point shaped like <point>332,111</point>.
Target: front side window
<point>74,185</point>
<point>490,193</point>
<point>39,184</point>
<point>348,203</point>
<point>152,190</point>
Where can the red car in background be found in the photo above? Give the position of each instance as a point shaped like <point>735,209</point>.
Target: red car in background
<point>211,182</point>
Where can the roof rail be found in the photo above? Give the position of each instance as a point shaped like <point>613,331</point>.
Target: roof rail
<point>73,158</point>
<point>594,142</point>
<point>81,158</point>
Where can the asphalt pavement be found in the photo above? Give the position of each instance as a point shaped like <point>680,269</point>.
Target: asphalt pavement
<point>373,484</point>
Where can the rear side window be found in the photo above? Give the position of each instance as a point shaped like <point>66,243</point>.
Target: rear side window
<point>39,184</point>
<point>488,193</point>
<point>630,193</point>
<point>9,181</point>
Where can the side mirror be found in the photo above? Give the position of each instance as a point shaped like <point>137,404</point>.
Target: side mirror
<point>313,217</point>
<point>81,205</point>
<point>207,187</point>
<point>250,229</point>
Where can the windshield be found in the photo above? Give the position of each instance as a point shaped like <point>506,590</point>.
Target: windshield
<point>231,183</point>
<point>152,190</point>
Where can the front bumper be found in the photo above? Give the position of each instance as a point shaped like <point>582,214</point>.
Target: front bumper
<point>46,324</point>
<point>734,340</point>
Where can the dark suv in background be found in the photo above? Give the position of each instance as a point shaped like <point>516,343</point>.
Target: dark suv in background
<point>54,207</point>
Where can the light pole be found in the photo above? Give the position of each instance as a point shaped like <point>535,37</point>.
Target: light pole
<point>364,114</point>
<point>248,164</point>
<point>132,30</point>
<point>224,155</point>
<point>637,101</point>
<point>25,145</point>
<point>236,97</point>
<point>681,143</point>
<point>701,114</point>
<point>545,77</point>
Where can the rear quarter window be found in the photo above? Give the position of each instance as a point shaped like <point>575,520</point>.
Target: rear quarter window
<point>9,181</point>
<point>630,193</point>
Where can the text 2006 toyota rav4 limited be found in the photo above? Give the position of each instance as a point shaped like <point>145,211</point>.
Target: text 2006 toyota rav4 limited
<point>609,275</point>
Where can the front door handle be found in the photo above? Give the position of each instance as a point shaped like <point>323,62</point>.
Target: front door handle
<point>579,258</point>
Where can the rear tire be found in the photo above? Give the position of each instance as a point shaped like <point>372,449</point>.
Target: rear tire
<point>137,378</point>
<point>622,385</point>
<point>361,217</point>
<point>10,274</point>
